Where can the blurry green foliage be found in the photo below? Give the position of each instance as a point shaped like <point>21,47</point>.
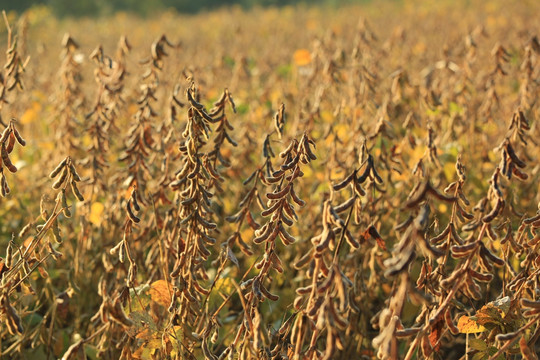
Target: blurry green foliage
<point>78,8</point>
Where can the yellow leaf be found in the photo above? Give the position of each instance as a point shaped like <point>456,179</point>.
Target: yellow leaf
<point>468,326</point>
<point>247,234</point>
<point>302,57</point>
<point>175,339</point>
<point>417,153</point>
<point>276,96</point>
<point>48,145</point>
<point>96,212</point>
<point>31,114</point>
<point>327,117</point>
<point>419,48</point>
<point>224,285</point>
<point>160,292</point>
<point>136,308</point>
<point>87,140</point>
<point>343,131</point>
<point>442,208</point>
<point>148,350</point>
<point>175,335</point>
<point>449,170</point>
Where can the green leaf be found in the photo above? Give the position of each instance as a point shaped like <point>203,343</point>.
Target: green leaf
<point>90,351</point>
<point>480,356</point>
<point>33,319</point>
<point>229,61</point>
<point>494,312</point>
<point>37,353</point>
<point>477,344</point>
<point>139,300</point>
<point>176,336</point>
<point>454,108</point>
<point>492,350</point>
<point>142,319</point>
<point>242,108</point>
<point>284,70</point>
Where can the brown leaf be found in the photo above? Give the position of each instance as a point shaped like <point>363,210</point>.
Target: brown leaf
<point>435,335</point>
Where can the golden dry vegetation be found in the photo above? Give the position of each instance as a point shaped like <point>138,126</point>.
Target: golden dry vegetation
<point>295,183</point>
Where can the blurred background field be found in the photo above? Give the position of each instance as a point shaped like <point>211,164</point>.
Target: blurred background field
<point>415,95</point>
<point>152,7</point>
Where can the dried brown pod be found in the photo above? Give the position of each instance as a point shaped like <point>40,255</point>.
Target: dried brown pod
<point>13,320</point>
<point>512,154</point>
<point>342,184</point>
<point>11,143</point>
<point>450,323</point>
<point>372,231</point>
<point>482,277</point>
<point>74,175</point>
<point>55,254</point>
<point>5,135</point>
<point>63,200</point>
<point>532,219</point>
<point>25,230</point>
<point>418,194</point>
<point>6,160</point>
<point>530,303</point>
<point>268,295</point>
<point>118,315</point>
<point>131,214</point>
<point>404,333</point>
<point>56,232</point>
<point>279,120</point>
<point>58,168</point>
<point>400,264</point>
<point>465,249</point>
<point>9,255</point>
<point>497,209</point>
<point>76,191</point>
<point>285,237</point>
<point>61,179</point>
<point>526,350</point>
<point>303,261</point>
<point>440,237</point>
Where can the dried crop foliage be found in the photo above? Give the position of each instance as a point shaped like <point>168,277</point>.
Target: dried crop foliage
<point>309,184</point>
